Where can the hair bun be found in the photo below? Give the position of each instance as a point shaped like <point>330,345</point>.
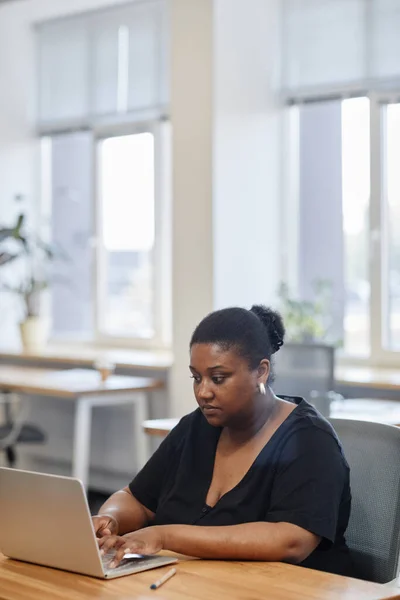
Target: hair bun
<point>273,322</point>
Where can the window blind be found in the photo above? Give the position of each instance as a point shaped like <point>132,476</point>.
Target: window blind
<point>102,64</point>
<point>334,47</point>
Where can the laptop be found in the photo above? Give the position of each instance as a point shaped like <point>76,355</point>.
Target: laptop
<point>45,520</point>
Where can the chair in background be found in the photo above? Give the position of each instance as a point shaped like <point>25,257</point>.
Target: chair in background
<point>305,370</point>
<point>373,536</point>
<point>15,430</point>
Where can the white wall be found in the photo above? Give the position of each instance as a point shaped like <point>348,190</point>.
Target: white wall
<point>227,133</point>
<point>247,152</point>
<point>192,126</point>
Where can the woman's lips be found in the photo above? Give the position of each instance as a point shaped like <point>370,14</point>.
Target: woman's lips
<point>210,410</point>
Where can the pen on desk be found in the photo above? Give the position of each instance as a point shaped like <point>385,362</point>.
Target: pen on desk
<point>164,578</point>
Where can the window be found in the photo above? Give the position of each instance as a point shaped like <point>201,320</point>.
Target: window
<point>114,283</point>
<point>355,207</point>
<point>344,212</point>
<point>102,63</point>
<point>103,78</point>
<point>126,235</point>
<point>348,218</point>
<point>332,207</point>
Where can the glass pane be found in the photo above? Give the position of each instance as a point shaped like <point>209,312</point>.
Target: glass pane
<point>63,70</point>
<point>391,316</point>
<point>333,214</point>
<point>385,39</point>
<point>127,233</point>
<point>321,271</point>
<point>104,65</point>
<point>323,42</point>
<point>356,193</point>
<point>69,178</point>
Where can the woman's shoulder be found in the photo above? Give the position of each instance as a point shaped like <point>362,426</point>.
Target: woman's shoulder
<point>308,416</point>
<point>308,429</point>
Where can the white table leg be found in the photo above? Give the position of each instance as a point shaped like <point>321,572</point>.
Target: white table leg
<point>81,455</point>
<point>141,440</point>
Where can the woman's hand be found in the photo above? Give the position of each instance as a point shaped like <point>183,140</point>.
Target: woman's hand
<point>144,541</point>
<point>105,525</point>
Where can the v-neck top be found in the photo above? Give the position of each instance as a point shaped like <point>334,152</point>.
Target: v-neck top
<point>300,476</point>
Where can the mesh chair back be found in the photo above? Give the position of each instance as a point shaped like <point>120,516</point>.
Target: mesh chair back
<point>373,536</point>
<point>303,368</point>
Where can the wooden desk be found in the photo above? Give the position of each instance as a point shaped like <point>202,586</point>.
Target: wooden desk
<point>85,356</point>
<point>86,390</point>
<point>195,580</point>
<point>159,427</point>
<point>377,411</point>
<point>368,377</point>
<point>161,360</point>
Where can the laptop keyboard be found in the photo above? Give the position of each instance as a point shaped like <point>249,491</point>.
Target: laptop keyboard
<point>125,564</point>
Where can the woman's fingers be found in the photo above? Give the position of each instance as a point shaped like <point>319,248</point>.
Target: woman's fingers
<point>108,542</point>
<point>119,555</point>
<point>139,542</point>
<point>104,525</point>
<point>125,546</point>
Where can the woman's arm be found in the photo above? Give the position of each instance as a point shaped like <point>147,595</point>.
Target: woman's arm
<point>248,541</point>
<point>128,512</point>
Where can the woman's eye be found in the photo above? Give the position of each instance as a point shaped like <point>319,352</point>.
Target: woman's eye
<point>218,380</point>
<point>196,378</point>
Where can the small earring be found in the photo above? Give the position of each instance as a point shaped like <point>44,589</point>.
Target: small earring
<point>261,388</point>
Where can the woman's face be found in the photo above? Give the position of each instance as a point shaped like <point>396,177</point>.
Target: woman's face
<point>224,385</point>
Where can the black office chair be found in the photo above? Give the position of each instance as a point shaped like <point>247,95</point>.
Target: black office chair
<point>307,370</point>
<point>302,368</point>
<point>373,534</point>
<point>15,430</point>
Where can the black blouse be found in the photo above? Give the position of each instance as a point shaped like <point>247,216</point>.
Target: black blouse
<point>300,476</point>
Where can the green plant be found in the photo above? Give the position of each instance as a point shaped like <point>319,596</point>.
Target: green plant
<point>13,233</point>
<point>31,257</point>
<point>307,320</point>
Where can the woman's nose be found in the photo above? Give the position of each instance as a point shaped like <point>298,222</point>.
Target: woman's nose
<point>205,390</point>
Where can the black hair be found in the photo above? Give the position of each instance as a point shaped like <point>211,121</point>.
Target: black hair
<point>255,334</point>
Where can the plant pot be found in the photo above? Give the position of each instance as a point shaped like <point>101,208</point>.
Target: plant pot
<point>34,333</point>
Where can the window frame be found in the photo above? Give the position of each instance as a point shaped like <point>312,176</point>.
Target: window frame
<point>378,248</point>
<point>161,254</point>
<point>379,356</point>
<point>162,251</point>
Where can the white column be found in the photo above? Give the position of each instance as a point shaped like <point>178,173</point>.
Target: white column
<point>192,124</point>
<point>247,159</point>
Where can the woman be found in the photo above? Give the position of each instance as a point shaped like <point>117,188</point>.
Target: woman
<point>248,475</point>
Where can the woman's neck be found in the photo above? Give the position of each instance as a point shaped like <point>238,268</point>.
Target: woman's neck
<point>266,408</point>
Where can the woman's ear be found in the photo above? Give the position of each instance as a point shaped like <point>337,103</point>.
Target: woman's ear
<point>263,371</point>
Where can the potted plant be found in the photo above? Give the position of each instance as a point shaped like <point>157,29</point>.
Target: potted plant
<point>27,275</point>
<point>307,321</point>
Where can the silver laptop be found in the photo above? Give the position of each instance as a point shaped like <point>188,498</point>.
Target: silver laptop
<point>45,519</point>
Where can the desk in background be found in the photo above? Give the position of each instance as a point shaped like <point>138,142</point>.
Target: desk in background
<point>377,411</point>
<point>84,388</point>
<point>368,382</point>
<point>84,356</point>
<point>351,379</point>
<point>195,580</point>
